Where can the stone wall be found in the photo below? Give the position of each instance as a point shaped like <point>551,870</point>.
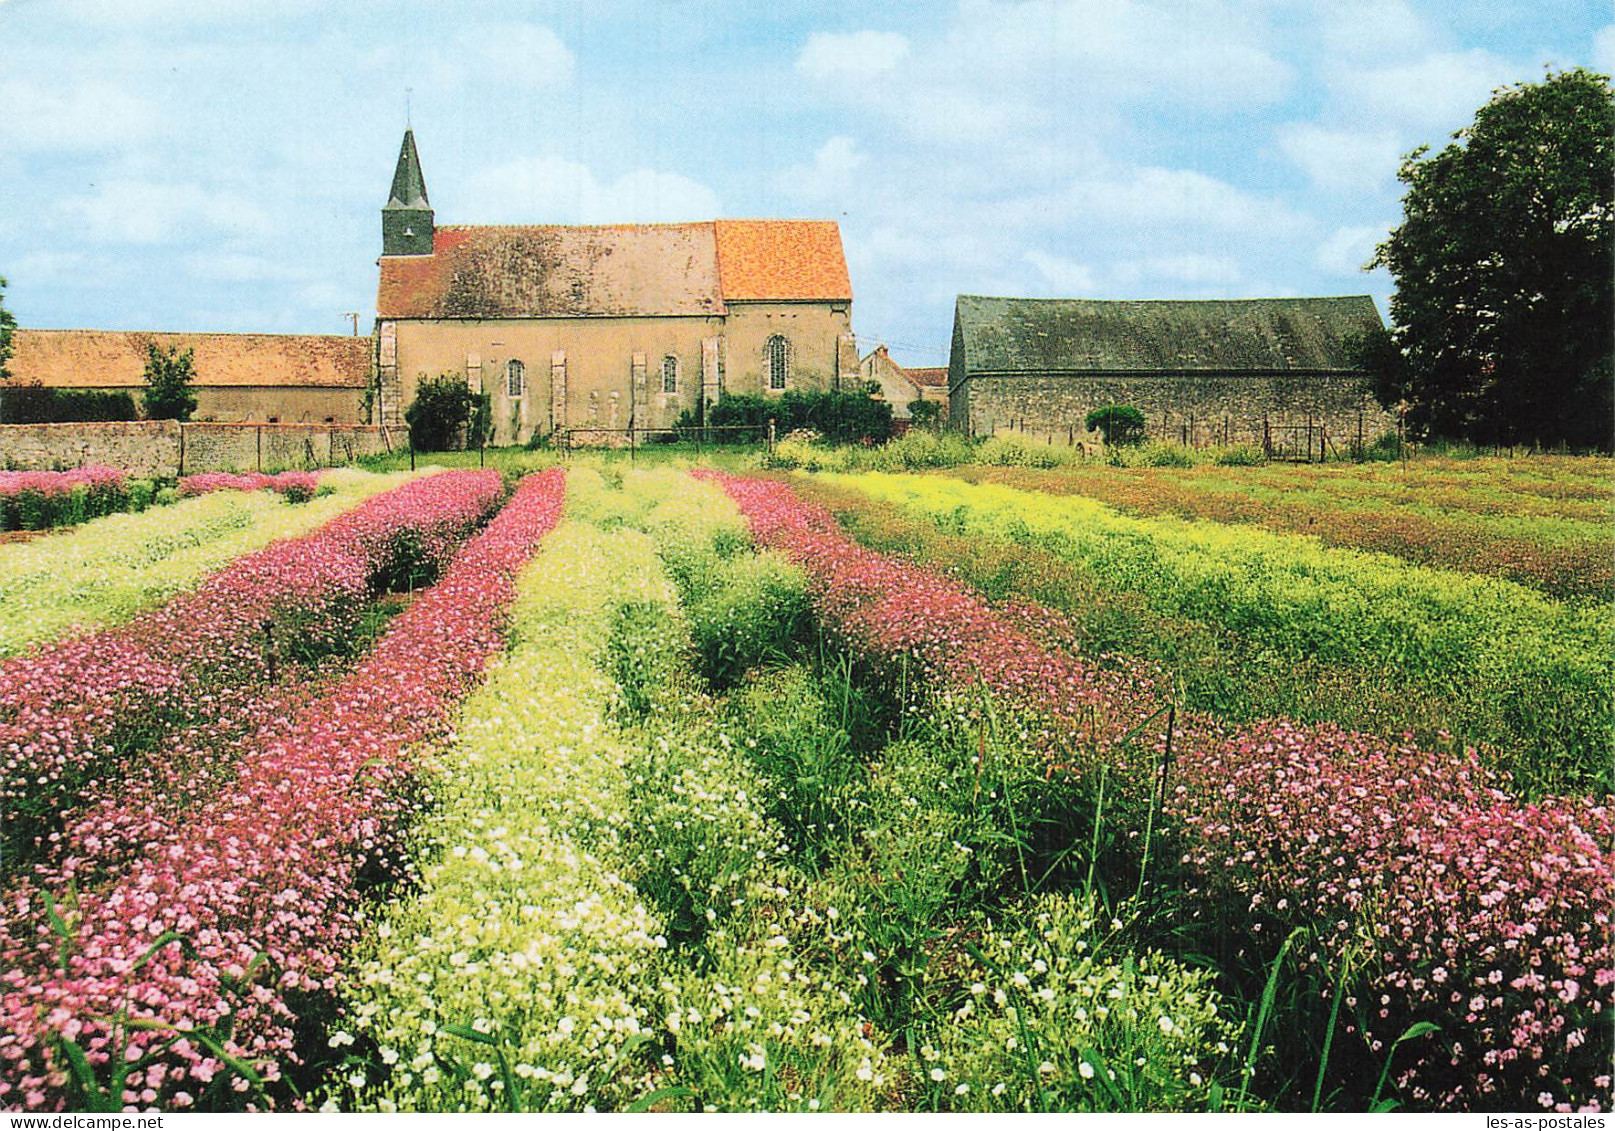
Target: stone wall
<point>141,447</point>
<point>1186,408</point>
<point>167,449</point>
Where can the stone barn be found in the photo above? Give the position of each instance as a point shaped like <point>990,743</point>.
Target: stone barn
<point>1202,372</point>
<point>596,328</point>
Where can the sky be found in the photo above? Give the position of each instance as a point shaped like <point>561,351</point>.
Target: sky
<point>221,164</point>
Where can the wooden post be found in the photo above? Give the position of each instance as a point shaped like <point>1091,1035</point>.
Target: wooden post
<point>412,451</point>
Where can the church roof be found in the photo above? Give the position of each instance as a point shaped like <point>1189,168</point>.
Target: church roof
<point>409,183</point>
<point>539,271</point>
<point>110,359</point>
<point>781,259</point>
<point>1304,335</point>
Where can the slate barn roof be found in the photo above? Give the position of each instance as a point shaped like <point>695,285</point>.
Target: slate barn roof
<point>543,271</point>
<point>1278,335</point>
<point>110,359</point>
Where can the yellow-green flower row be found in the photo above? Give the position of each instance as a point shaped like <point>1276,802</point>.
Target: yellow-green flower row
<point>108,570</point>
<point>1509,658</point>
<point>1293,594</point>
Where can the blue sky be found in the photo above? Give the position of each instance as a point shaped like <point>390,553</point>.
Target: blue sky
<point>220,164</point>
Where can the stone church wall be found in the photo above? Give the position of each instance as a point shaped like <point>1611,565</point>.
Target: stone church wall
<point>1185,408</point>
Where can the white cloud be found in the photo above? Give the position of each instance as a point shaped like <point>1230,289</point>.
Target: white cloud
<point>77,115</point>
<point>148,212</point>
<point>1438,91</point>
<point>553,190</point>
<point>1373,29</point>
<point>525,54</point>
<point>1189,268</point>
<point>1346,250</point>
<point>228,267</point>
<point>1013,70</point>
<point>1604,49</point>
<point>859,53</point>
<point>1154,197</point>
<point>1342,160</point>
<point>1066,276</point>
<point>830,175</point>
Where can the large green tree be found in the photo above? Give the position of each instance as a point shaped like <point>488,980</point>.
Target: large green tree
<point>1504,317</point>
<point>7,325</point>
<point>169,376</point>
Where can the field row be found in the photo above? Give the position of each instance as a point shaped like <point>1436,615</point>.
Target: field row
<point>1560,546</point>
<point>1529,676</point>
<point>711,807</point>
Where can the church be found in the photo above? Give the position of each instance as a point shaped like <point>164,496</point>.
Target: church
<point>595,329</point>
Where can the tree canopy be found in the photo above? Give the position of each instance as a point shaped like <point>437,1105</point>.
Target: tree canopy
<point>7,325</point>
<point>169,374</point>
<point>1503,316</point>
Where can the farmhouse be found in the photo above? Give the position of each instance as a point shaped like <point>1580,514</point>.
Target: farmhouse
<point>901,385</point>
<point>605,326</point>
<point>1212,371</point>
<point>286,378</point>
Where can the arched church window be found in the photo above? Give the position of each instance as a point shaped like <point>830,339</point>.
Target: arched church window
<point>670,374</point>
<point>778,353</point>
<point>515,379</point>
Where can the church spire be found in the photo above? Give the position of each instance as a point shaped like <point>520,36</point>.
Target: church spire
<point>406,218</point>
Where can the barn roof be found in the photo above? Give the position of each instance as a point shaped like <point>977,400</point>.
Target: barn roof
<point>538,271</point>
<point>1016,335</point>
<point>102,359</point>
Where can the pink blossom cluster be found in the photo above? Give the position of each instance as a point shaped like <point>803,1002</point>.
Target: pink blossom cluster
<point>1483,914</point>
<point>262,881</point>
<point>95,477</point>
<point>293,484</point>
<point>68,709</point>
<point>908,619</point>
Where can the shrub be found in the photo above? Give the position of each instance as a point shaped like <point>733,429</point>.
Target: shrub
<point>169,376</point>
<point>925,414</point>
<point>440,415</point>
<point>165,496</point>
<point>1241,455</point>
<point>1008,451</point>
<point>36,404</point>
<point>141,493</point>
<point>1119,424</point>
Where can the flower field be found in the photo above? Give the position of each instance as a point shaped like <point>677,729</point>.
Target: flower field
<point>612,789</point>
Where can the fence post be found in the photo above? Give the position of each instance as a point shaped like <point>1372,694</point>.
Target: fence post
<point>181,428</point>
<point>412,451</point>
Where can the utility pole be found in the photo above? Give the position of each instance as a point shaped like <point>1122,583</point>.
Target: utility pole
<point>354,316</point>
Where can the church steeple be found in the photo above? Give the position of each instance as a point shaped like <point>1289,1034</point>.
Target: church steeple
<point>406,218</point>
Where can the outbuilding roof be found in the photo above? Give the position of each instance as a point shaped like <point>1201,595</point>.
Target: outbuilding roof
<point>553,270</point>
<point>103,359</point>
<point>1272,335</point>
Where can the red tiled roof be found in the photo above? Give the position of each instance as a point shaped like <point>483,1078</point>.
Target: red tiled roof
<point>535,271</point>
<point>102,359</point>
<point>782,259</point>
<point>556,270</point>
<point>932,377</point>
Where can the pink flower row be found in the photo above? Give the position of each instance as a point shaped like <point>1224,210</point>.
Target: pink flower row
<point>1482,914</point>
<point>69,709</point>
<point>52,483</point>
<point>263,881</point>
<point>299,485</point>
